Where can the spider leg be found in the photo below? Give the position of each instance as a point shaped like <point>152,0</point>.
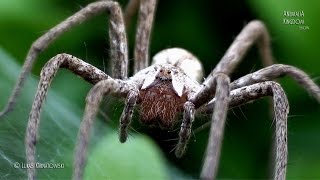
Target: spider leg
<point>281,111</point>
<point>242,95</point>
<point>126,115</point>
<point>144,27</point>
<point>275,71</point>
<point>254,31</point>
<point>94,97</point>
<point>267,74</point>
<point>185,130</point>
<point>222,82</point>
<point>246,94</point>
<point>219,116</point>
<point>238,97</point>
<point>77,66</point>
<point>118,43</point>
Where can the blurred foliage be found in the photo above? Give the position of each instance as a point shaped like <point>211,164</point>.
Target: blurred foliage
<point>149,165</point>
<point>206,30</point>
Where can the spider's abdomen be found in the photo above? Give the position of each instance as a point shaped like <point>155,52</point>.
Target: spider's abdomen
<point>160,105</point>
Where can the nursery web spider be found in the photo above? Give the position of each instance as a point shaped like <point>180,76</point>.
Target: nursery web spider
<point>164,89</point>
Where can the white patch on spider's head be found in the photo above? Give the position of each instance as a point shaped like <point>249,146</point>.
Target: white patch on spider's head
<point>179,57</point>
<point>149,75</point>
<point>148,81</point>
<point>178,86</point>
<point>163,73</point>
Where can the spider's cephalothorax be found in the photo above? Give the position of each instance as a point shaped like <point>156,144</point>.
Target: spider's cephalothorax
<point>168,84</point>
<point>162,96</point>
<point>164,89</point>
<point>160,101</point>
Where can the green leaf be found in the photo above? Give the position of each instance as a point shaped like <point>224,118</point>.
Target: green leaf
<point>136,159</point>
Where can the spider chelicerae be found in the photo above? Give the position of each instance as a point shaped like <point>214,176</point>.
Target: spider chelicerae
<point>163,90</point>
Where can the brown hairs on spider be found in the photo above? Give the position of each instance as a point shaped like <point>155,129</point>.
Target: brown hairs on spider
<point>160,105</point>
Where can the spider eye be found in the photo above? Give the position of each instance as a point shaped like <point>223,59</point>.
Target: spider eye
<point>169,72</point>
<point>161,70</point>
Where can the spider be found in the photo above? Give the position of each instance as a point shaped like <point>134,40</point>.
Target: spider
<point>166,88</point>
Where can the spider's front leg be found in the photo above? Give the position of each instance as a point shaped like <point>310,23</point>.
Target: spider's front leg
<point>90,74</point>
<point>221,82</point>
<point>77,66</point>
<point>222,93</point>
<point>109,86</point>
<point>126,115</point>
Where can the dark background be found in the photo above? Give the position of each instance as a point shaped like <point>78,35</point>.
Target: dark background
<point>205,28</point>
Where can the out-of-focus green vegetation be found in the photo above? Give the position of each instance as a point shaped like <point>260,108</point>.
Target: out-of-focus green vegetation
<point>205,29</point>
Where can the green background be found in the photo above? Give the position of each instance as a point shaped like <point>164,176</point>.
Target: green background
<point>206,29</point>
